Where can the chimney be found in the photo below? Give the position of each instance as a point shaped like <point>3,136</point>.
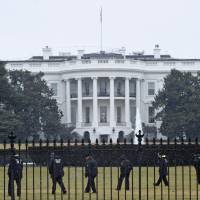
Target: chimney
<point>46,53</point>
<point>80,53</point>
<point>156,52</point>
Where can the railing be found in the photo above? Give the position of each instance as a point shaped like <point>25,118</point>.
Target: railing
<point>132,94</point>
<point>86,124</point>
<point>103,123</point>
<point>119,94</point>
<point>85,94</point>
<point>73,95</point>
<point>182,169</point>
<point>121,123</point>
<point>103,94</point>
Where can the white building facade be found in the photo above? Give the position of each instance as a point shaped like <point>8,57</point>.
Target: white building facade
<point>99,93</point>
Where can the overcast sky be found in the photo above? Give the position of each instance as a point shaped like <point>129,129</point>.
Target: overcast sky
<point>28,25</point>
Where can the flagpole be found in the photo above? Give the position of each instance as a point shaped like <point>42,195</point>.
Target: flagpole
<point>101,21</point>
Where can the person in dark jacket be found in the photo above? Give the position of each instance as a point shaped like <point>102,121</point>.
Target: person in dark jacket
<point>125,169</point>
<point>163,172</point>
<point>56,171</point>
<point>197,166</point>
<point>15,174</point>
<point>91,172</point>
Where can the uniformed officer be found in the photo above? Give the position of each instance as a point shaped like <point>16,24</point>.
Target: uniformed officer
<point>56,171</point>
<point>197,166</point>
<point>125,169</point>
<point>91,172</point>
<point>163,172</point>
<point>15,174</point>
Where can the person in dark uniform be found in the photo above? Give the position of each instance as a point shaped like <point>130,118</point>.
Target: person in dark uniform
<point>163,172</point>
<point>56,171</point>
<point>91,172</point>
<point>125,169</point>
<point>197,166</point>
<point>15,174</point>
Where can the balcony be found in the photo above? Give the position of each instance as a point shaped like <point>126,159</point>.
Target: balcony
<point>103,94</point>
<point>87,94</point>
<point>86,124</point>
<point>121,123</point>
<point>119,94</point>
<point>132,94</point>
<point>104,123</point>
<point>73,95</point>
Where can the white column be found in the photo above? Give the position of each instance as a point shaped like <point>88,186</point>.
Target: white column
<point>68,102</point>
<point>79,121</point>
<point>112,103</point>
<point>63,101</point>
<point>127,102</point>
<point>95,108</point>
<point>138,95</point>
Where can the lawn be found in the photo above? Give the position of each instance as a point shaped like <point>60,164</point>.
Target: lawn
<point>37,188</point>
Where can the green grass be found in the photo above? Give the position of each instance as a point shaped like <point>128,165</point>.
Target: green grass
<point>77,184</point>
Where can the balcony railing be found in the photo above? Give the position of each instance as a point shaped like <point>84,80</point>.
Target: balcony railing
<point>103,94</point>
<point>132,94</point>
<point>119,94</point>
<point>86,124</point>
<point>86,94</point>
<point>103,123</point>
<point>121,123</point>
<point>73,95</point>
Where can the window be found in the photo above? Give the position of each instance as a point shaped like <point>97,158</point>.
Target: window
<point>73,114</point>
<point>132,88</point>
<point>102,61</point>
<point>151,114</point>
<point>119,114</point>
<point>119,90</point>
<point>103,88</point>
<point>87,115</point>
<point>54,87</point>
<point>87,88</point>
<point>132,114</point>
<point>151,88</point>
<point>103,114</point>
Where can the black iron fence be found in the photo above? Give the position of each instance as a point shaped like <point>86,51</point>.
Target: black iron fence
<point>36,182</point>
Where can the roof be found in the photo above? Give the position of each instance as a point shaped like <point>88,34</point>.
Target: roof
<point>102,55</point>
<point>146,57</point>
<point>39,58</point>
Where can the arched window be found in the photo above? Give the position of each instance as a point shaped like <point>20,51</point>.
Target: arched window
<point>121,136</point>
<point>86,136</point>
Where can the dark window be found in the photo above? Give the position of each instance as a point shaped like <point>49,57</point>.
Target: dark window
<point>119,89</point>
<point>103,87</point>
<point>87,114</point>
<point>54,87</point>
<point>87,88</point>
<point>151,88</point>
<point>119,114</point>
<point>103,114</point>
<point>151,115</point>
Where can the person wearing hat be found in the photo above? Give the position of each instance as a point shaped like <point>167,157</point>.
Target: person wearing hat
<point>56,171</point>
<point>15,169</point>
<point>163,172</point>
<point>91,171</point>
<point>197,166</point>
<point>125,169</point>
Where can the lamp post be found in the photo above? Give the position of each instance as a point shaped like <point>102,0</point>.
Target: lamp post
<point>12,138</point>
<point>139,137</point>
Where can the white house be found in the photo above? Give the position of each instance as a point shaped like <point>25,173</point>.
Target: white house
<point>99,93</point>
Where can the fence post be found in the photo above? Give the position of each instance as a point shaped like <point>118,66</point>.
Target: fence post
<point>139,137</point>
<point>12,138</point>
